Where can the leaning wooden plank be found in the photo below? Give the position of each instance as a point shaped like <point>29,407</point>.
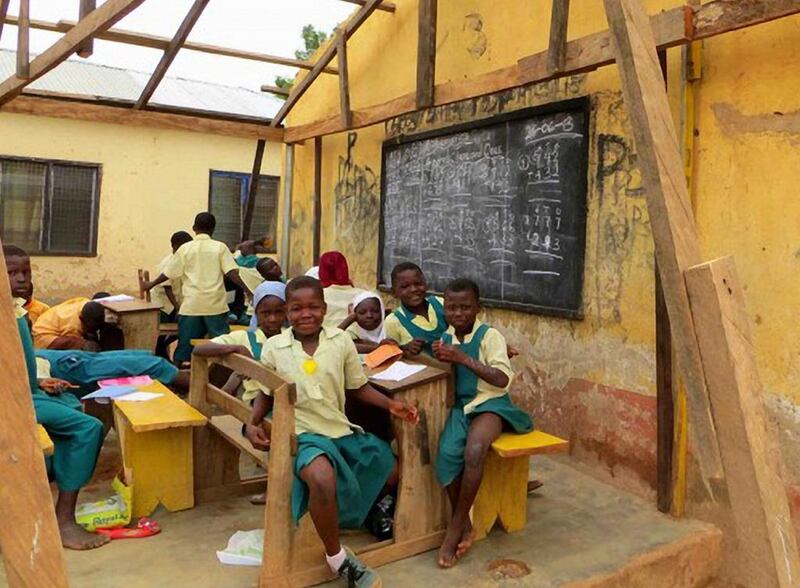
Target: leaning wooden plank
<point>3,11</point>
<point>123,115</point>
<point>672,27</point>
<point>23,40</point>
<point>426,52</point>
<point>387,6</point>
<point>344,82</point>
<point>29,537</point>
<point>171,52</point>
<point>749,446</point>
<point>102,18</point>
<point>252,192</point>
<point>155,42</point>
<point>87,47</point>
<point>346,30</point>
<point>674,233</point>
<point>557,51</point>
<point>278,524</point>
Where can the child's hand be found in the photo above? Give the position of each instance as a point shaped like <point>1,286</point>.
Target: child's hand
<point>389,342</point>
<point>404,411</point>
<point>413,347</point>
<point>448,353</point>
<point>257,437</point>
<point>512,352</point>
<point>54,386</point>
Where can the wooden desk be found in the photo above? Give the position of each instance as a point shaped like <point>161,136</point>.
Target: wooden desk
<point>156,440</point>
<point>421,502</point>
<point>139,322</point>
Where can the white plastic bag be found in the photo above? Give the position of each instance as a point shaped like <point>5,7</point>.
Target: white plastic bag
<point>245,548</point>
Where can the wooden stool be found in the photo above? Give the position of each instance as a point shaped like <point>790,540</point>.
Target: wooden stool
<point>504,490</point>
<point>156,440</point>
<point>44,440</point>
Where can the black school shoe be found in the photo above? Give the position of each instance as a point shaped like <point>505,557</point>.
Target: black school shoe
<point>380,520</point>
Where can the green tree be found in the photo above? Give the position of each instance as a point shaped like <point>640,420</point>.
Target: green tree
<point>312,39</point>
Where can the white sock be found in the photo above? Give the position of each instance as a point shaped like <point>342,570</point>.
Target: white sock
<point>336,561</point>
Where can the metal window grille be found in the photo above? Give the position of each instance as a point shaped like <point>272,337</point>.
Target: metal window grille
<point>227,198</point>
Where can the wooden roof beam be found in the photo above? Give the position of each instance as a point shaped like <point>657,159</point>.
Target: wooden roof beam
<point>171,52</point>
<point>385,6</point>
<point>426,52</point>
<point>86,6</point>
<point>102,18</point>
<point>3,11</point>
<point>275,90</point>
<point>155,42</point>
<point>557,52</point>
<point>350,27</point>
<point>23,40</point>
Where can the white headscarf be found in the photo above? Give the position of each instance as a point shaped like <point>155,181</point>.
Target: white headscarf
<point>375,335</point>
<point>277,289</point>
<point>313,272</point>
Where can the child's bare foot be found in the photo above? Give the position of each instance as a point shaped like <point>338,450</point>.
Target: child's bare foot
<point>467,539</point>
<point>73,536</point>
<point>259,498</point>
<point>448,552</point>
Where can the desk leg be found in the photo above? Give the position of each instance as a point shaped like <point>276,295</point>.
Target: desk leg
<point>421,503</point>
<point>140,329</point>
<point>503,494</point>
<point>162,466</point>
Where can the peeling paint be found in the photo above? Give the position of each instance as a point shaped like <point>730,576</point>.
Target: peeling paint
<point>732,120</point>
<point>478,41</point>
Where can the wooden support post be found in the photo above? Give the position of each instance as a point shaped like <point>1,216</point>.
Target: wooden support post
<point>171,51</point>
<point>344,81</point>
<point>3,11</point>
<point>557,51</point>
<point>29,537</point>
<point>426,53</point>
<point>674,232</point>
<point>250,204</point>
<point>87,48</point>
<point>317,198</point>
<point>110,12</point>
<point>23,40</point>
<point>766,542</point>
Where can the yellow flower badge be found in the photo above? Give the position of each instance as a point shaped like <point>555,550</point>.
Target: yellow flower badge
<point>310,366</point>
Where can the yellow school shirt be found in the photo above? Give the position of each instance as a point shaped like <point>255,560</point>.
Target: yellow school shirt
<point>338,299</point>
<point>395,329</point>
<point>251,387</point>
<point>201,265</point>
<point>62,320</point>
<point>159,295</point>
<point>320,395</point>
<point>35,309</point>
<point>493,353</point>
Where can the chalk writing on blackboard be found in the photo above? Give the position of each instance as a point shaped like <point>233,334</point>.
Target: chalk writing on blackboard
<point>502,201</point>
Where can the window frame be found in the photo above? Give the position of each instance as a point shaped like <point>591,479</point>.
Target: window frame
<point>247,176</point>
<point>47,209</point>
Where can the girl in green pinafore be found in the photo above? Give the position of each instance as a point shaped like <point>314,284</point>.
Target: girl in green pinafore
<point>420,320</point>
<point>481,412</point>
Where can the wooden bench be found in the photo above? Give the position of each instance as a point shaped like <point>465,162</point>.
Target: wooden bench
<point>156,441</point>
<point>503,493</point>
<point>44,440</point>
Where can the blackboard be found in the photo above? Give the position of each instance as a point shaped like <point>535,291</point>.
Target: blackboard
<point>501,201</point>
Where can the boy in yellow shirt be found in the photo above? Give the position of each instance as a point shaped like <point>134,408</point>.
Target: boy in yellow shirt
<point>168,294</point>
<point>19,275</point>
<point>202,265</point>
<point>340,471</point>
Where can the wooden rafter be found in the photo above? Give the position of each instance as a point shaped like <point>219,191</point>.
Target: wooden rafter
<point>105,16</point>
<point>23,40</point>
<point>385,6</point>
<point>344,81</point>
<point>274,90</point>
<point>171,52</point>
<point>155,42</point>
<point>3,11</point>
<point>557,51</point>
<point>350,27</point>
<point>678,26</point>
<point>125,115</point>
<point>87,48</point>
<point>426,52</point>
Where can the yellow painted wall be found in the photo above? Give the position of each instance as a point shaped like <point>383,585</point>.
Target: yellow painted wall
<point>746,170</point>
<point>153,183</point>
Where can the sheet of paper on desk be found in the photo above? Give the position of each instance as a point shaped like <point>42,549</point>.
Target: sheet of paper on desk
<point>398,372</point>
<point>116,298</point>
<point>139,397</point>
<point>109,392</point>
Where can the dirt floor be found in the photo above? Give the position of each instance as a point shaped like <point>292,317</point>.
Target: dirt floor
<point>579,530</point>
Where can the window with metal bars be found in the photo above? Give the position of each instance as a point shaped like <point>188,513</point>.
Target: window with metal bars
<point>49,207</point>
<point>227,198</point>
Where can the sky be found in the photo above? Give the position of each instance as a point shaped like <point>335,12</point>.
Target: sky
<point>264,26</point>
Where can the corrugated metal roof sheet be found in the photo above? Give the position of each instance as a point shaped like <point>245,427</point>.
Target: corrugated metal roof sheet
<point>89,79</point>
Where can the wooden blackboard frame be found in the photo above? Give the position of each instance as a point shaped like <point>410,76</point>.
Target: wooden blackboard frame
<point>582,105</point>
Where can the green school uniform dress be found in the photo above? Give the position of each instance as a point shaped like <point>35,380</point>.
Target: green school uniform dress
<point>450,460</point>
<point>406,320</point>
<point>77,437</point>
<point>85,368</point>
